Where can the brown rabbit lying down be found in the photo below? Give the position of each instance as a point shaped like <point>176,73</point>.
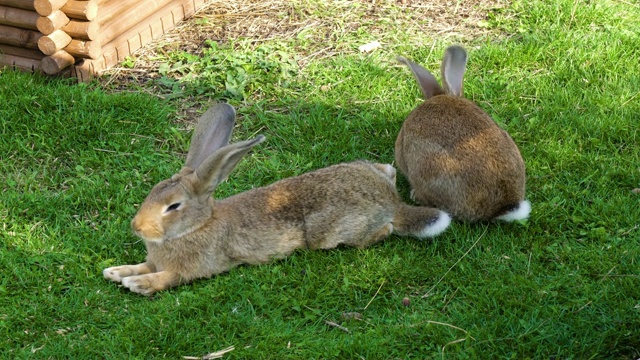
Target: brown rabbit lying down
<point>454,155</point>
<point>190,235</point>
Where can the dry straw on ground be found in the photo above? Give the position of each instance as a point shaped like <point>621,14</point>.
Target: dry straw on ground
<point>321,22</point>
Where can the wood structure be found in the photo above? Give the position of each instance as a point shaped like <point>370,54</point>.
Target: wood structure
<point>81,38</point>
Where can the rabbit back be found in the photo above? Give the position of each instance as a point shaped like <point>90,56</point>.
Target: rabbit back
<point>341,204</point>
<point>458,159</point>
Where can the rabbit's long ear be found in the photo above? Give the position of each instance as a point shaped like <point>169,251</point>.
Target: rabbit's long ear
<point>217,166</point>
<point>453,67</point>
<point>427,82</point>
<point>212,132</point>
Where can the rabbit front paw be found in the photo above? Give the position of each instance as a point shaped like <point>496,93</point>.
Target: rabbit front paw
<point>150,283</point>
<point>141,284</point>
<point>117,273</point>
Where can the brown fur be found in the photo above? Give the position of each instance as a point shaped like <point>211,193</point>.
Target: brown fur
<point>354,204</point>
<point>455,156</point>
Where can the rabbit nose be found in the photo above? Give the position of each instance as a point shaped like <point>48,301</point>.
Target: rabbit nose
<point>147,228</point>
<point>136,226</point>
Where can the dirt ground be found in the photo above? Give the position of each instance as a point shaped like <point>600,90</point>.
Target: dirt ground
<point>272,19</point>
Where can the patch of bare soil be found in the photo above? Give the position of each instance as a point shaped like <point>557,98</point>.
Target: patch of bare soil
<point>321,22</point>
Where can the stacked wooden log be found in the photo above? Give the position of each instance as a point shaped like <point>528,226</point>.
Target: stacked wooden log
<point>83,37</point>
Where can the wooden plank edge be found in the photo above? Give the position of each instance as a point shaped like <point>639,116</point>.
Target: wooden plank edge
<point>126,44</point>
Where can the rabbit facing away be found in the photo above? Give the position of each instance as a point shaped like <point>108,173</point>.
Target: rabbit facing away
<point>188,234</point>
<point>454,155</point>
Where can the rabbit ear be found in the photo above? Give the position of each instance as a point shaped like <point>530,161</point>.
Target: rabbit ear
<point>217,166</point>
<point>427,82</point>
<point>212,132</point>
<point>453,67</point>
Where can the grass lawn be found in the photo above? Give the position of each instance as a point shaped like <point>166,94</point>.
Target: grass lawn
<point>561,76</point>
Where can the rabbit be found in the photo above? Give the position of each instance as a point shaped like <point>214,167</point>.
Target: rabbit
<point>454,155</point>
<point>190,235</point>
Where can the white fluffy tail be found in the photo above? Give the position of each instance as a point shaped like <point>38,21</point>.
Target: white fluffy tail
<point>437,226</point>
<point>420,221</point>
<point>520,212</point>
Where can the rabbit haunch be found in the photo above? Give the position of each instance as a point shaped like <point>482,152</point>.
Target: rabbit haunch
<point>454,155</point>
<point>190,235</point>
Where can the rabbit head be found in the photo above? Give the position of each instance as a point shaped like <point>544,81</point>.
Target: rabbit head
<point>181,204</point>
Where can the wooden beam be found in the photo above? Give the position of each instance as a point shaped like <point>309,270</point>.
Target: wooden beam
<point>46,7</point>
<point>111,9</point>
<point>20,18</point>
<point>84,49</point>
<point>20,4</point>
<point>81,10</point>
<point>21,52</point>
<point>19,37</point>
<point>57,40</point>
<point>18,62</point>
<point>134,16</point>
<point>48,24</point>
<point>56,62</point>
<point>82,30</point>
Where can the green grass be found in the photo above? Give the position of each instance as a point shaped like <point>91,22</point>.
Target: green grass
<point>77,159</point>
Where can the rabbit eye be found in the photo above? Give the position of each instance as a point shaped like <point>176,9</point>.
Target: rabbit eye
<point>172,207</point>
